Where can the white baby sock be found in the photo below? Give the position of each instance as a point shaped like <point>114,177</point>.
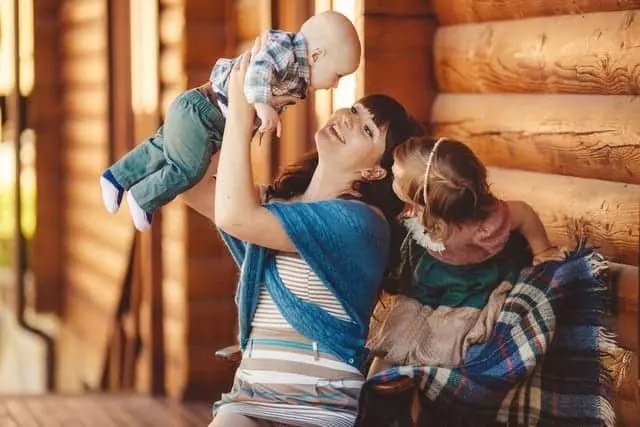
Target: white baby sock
<point>141,219</point>
<point>111,195</point>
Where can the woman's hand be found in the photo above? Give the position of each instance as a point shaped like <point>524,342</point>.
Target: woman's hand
<point>239,109</point>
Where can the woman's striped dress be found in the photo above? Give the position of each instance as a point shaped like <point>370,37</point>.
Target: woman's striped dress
<point>286,378</point>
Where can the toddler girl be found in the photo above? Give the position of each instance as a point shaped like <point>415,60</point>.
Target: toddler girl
<point>463,251</point>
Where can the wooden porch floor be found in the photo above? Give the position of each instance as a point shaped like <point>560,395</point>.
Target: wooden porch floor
<point>100,410</point>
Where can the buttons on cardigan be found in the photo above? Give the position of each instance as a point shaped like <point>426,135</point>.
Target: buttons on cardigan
<point>351,361</point>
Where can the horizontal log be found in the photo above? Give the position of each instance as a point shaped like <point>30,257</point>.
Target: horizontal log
<point>467,11</point>
<point>591,54</point>
<point>108,259</point>
<point>171,27</point>
<point>94,286</point>
<point>89,70</point>
<point>589,136</point>
<point>87,161</point>
<point>86,131</point>
<point>115,230</point>
<point>397,7</point>
<point>171,67</point>
<point>82,12</point>
<point>83,40</point>
<point>608,213</point>
<point>85,102</point>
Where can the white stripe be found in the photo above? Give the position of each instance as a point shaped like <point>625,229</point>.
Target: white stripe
<point>255,376</point>
<point>302,358</point>
<point>291,414</point>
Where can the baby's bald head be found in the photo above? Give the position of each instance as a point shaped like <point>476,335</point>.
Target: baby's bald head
<point>334,48</point>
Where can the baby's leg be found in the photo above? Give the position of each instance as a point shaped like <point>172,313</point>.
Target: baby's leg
<point>138,163</point>
<point>192,132</point>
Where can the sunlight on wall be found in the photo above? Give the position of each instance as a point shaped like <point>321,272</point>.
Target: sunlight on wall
<point>26,46</point>
<point>144,56</point>
<point>345,94</point>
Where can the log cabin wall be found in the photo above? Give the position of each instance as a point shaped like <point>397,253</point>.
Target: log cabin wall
<point>81,252</point>
<point>546,93</point>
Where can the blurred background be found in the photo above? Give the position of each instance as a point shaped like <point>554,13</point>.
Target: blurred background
<point>545,92</point>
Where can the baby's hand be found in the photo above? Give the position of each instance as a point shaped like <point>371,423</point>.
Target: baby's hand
<point>269,118</point>
<point>553,253</point>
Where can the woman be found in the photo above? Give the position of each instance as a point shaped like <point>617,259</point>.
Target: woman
<point>313,253</point>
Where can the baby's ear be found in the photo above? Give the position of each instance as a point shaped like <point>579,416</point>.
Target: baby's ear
<point>375,173</point>
<point>316,54</point>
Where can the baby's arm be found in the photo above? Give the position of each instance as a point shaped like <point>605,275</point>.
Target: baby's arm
<point>525,220</point>
<point>267,65</point>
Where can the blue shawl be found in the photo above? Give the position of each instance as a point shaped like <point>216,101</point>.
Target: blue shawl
<point>345,243</point>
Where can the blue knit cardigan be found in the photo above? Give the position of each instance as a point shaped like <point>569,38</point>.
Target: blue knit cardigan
<point>345,243</point>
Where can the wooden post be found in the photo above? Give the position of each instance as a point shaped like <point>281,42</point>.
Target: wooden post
<point>398,41</point>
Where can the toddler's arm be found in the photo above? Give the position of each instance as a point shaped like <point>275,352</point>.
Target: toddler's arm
<point>525,220</point>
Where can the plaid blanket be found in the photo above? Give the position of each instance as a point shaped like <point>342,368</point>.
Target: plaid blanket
<point>542,366</point>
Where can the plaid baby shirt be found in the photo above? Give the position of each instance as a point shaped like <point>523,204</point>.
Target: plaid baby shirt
<point>281,67</point>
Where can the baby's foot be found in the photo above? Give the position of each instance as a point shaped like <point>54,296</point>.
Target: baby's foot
<point>141,218</point>
<point>111,192</point>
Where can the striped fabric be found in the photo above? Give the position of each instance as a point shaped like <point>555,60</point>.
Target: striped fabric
<point>303,282</point>
<point>286,378</point>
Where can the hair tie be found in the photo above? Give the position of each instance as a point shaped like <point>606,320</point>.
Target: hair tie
<point>426,173</point>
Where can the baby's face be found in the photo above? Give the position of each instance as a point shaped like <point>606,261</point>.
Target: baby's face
<point>337,61</point>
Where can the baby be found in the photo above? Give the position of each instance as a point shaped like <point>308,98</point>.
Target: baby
<point>287,65</point>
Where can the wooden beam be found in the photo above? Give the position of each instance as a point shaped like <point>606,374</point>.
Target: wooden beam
<point>392,65</point>
<point>595,54</point>
<point>45,117</point>
<point>588,136</point>
<point>398,7</point>
<point>607,212</point>
<point>466,11</point>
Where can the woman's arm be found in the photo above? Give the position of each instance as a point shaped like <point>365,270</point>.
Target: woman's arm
<point>237,207</point>
<point>200,197</point>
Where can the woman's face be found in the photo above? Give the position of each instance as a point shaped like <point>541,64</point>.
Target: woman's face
<point>350,140</point>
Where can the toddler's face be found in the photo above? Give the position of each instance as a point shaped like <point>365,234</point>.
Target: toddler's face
<point>401,182</point>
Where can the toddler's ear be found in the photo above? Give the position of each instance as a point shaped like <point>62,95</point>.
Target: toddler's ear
<point>375,173</point>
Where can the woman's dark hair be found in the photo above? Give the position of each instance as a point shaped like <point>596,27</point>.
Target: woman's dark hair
<point>387,113</point>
